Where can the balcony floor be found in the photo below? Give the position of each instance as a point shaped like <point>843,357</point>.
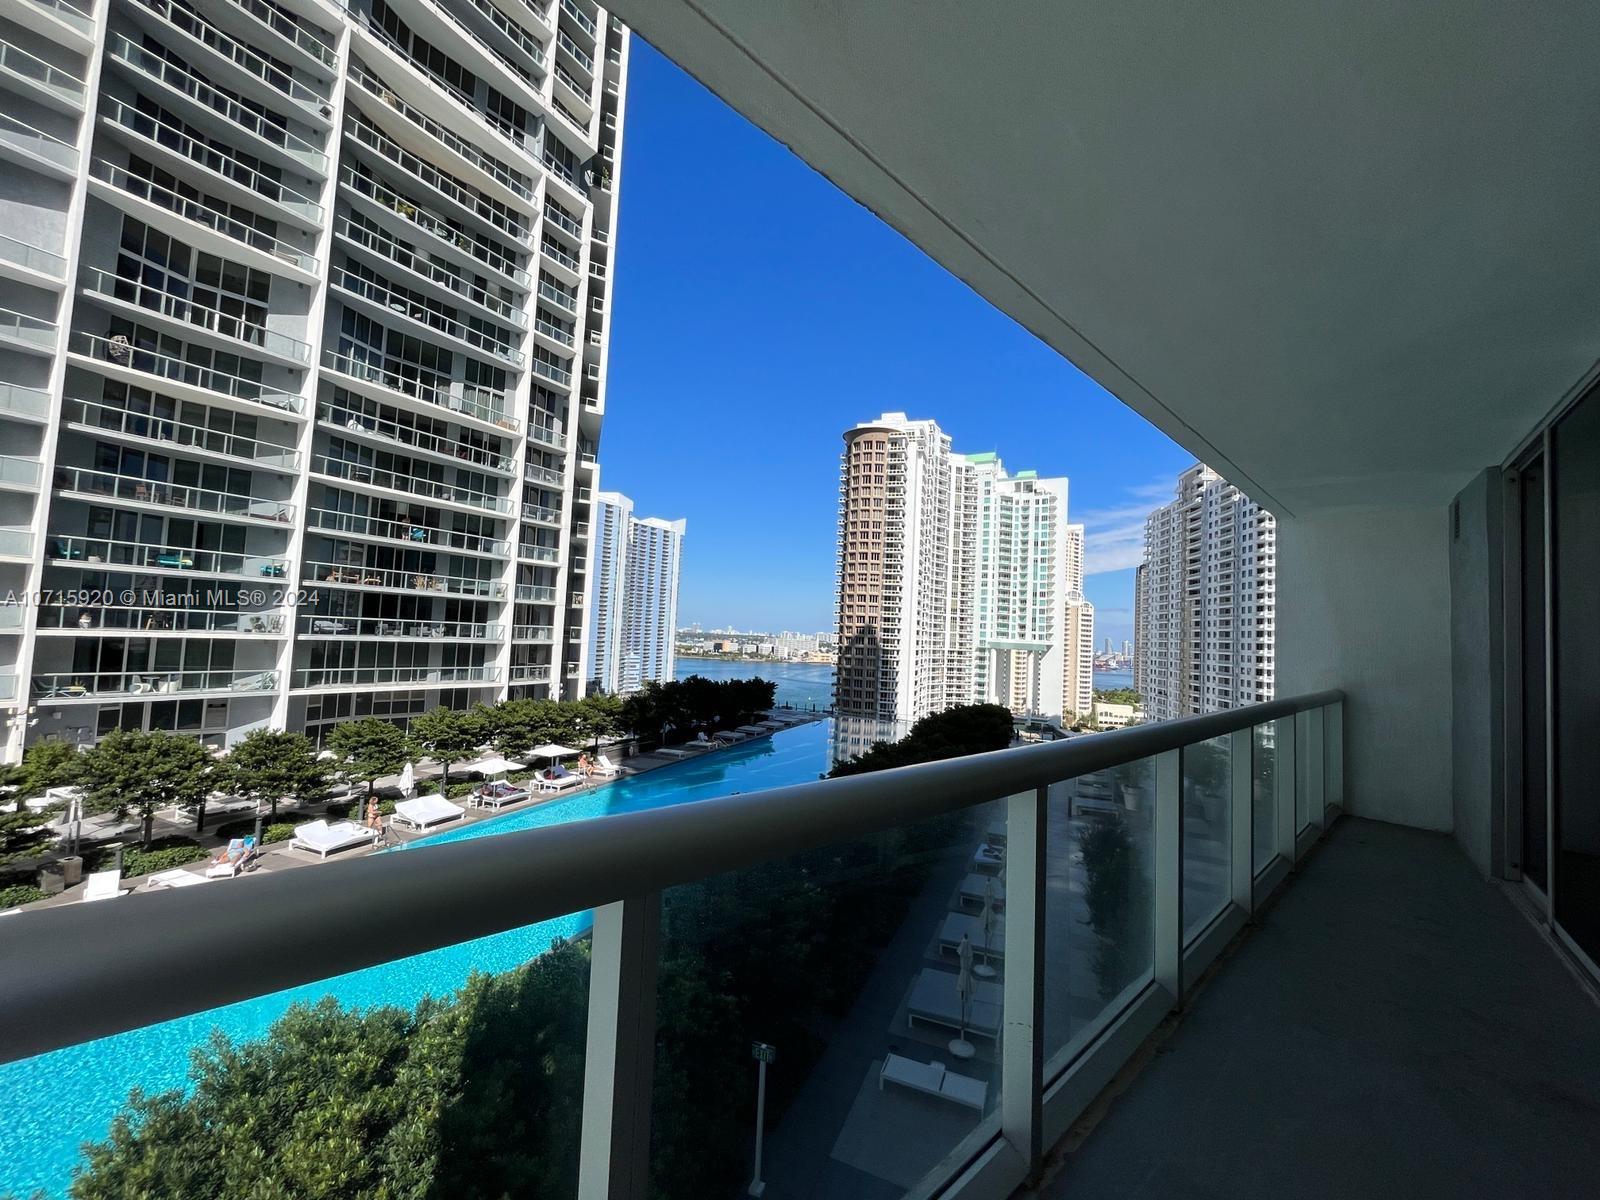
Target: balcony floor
<point>1393,1027</point>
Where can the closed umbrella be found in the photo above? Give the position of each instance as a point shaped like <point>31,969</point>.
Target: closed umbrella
<point>408,781</point>
<point>983,970</point>
<point>965,983</point>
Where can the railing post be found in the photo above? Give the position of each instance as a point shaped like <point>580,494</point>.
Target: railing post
<point>1287,779</point>
<point>1241,758</point>
<point>614,1145</point>
<point>1022,1047</point>
<point>1168,873</point>
<point>1316,771</point>
<point>1333,748</point>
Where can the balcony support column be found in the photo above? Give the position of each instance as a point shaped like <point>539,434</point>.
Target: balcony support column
<point>614,1145</point>
<point>1022,1047</point>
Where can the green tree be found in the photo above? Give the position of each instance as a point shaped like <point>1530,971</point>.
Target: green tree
<point>368,749</point>
<point>270,764</point>
<point>1117,695</point>
<point>24,832</point>
<point>130,771</point>
<point>448,735</point>
<point>599,716</point>
<point>952,733</point>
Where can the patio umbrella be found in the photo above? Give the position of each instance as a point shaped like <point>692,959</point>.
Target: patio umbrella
<point>408,781</point>
<point>494,765</point>
<point>551,751</point>
<point>983,970</point>
<point>959,1046</point>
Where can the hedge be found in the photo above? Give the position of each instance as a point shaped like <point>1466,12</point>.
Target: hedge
<point>19,893</point>
<point>163,855</point>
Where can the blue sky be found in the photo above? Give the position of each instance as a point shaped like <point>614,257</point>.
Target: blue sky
<point>759,312</point>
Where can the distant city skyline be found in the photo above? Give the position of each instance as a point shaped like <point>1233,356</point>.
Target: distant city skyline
<point>706,325</point>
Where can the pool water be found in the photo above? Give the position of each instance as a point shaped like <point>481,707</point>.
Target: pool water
<point>57,1101</point>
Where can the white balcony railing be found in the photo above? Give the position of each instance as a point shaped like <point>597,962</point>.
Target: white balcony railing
<point>100,553</point>
<point>402,579</point>
<point>425,312</point>
<point>427,489</point>
<point>172,431</point>
<point>96,484</point>
<point>14,60</point>
<point>98,685</point>
<point>75,618</point>
<point>120,352</point>
<point>435,227</point>
<point>105,284</point>
<point>236,52</point>
<point>483,404</point>
<point>35,331</point>
<point>16,132</point>
<point>324,625</point>
<point>407,532</point>
<point>409,437</point>
<point>405,256</point>
<point>414,676</point>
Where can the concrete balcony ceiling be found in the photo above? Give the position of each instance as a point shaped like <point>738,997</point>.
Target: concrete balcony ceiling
<point>1344,253</point>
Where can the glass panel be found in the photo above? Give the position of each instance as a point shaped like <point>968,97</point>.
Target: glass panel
<point>1302,771</point>
<point>1099,901</point>
<point>1207,849</point>
<point>848,962</point>
<point>1575,581</point>
<point>453,1073</point>
<point>1535,711</point>
<point>1264,799</point>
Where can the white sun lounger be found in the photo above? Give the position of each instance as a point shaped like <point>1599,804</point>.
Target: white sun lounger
<point>103,885</point>
<point>604,766</point>
<point>175,879</point>
<point>752,730</point>
<point>727,736</point>
<point>933,1001</point>
<point>972,890</point>
<point>988,859</point>
<point>673,752</point>
<point>323,839</point>
<point>956,924</point>
<point>932,1079</point>
<point>425,811</point>
<point>560,783</point>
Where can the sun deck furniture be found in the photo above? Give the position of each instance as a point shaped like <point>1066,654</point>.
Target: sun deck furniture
<point>604,766</point>
<point>175,879</point>
<point>727,736</point>
<point>752,730</point>
<point>427,811</point>
<point>772,726</point>
<point>973,887</point>
<point>497,795</point>
<point>996,833</point>
<point>988,859</point>
<point>672,752</point>
<point>103,885</point>
<point>933,1001</point>
<point>958,923</point>
<point>558,779</point>
<point>933,1079</point>
<point>323,839</point>
<point>239,854</point>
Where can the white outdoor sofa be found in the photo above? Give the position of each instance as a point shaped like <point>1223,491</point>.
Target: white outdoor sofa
<point>567,779</point>
<point>958,923</point>
<point>934,1000</point>
<point>424,812</point>
<point>604,767</point>
<point>323,839</point>
<point>932,1079</point>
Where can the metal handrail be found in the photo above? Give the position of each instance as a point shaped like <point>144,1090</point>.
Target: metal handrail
<point>78,954</point>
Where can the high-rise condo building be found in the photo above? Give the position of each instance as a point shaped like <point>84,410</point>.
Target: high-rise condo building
<point>634,615</point>
<point>302,356</point>
<point>955,580</point>
<point>1207,599</point>
<point>1077,689</point>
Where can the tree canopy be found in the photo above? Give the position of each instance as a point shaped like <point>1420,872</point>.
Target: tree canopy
<point>952,733</point>
<point>368,749</point>
<point>131,771</point>
<point>449,734</point>
<point>270,765</point>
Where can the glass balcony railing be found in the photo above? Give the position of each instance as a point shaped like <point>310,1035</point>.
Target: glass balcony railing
<point>20,401</point>
<point>541,513</point>
<point>184,82</point>
<point>533,633</point>
<point>20,472</point>
<point>579,55</point>
<point>530,672</point>
<point>533,593</point>
<point>158,491</point>
<point>284,24</point>
<point>106,285</point>
<point>578,90</point>
<point>547,436</point>
<point>120,352</point>
<point>35,331</point>
<point>97,685</point>
<point>546,369</point>
<point>482,404</point>
<point>530,552</point>
<point>407,532</point>
<point>506,27</point>
<point>544,476</point>
<point>405,256</point>
<point>565,301</point>
<point>414,676</point>
<point>348,421</point>
<point>355,575</point>
<point>557,255</point>
<point>427,489</point>
<point>16,61</point>
<point>424,312</point>
<point>98,553</point>
<point>435,227</point>
<point>203,214</point>
<point>582,19</point>
<point>395,629</point>
<point>563,221</point>
<point>71,14</point>
<point>169,430</point>
<point>222,164</point>
<point>18,133</point>
<point>236,52</point>
<point>16,543</point>
<point>173,618</point>
<point>554,332</point>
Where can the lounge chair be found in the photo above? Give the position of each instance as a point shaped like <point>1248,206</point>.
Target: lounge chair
<point>103,885</point>
<point>727,737</point>
<point>933,1001</point>
<point>604,766</point>
<point>426,811</point>
<point>497,795</point>
<point>175,879</point>
<point>752,731</point>
<point>932,1079</point>
<point>973,888</point>
<point>673,752</point>
<point>988,859</point>
<point>323,839</point>
<point>956,924</point>
<point>239,854</point>
<point>558,779</point>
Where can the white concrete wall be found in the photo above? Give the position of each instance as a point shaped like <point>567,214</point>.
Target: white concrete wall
<point>1364,605</point>
<point>1477,659</point>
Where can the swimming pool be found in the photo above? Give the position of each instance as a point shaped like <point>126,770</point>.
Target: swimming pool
<point>58,1100</point>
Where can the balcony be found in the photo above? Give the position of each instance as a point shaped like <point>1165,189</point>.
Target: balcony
<point>390,629</point>
<point>292,32</point>
<point>32,76</point>
<point>24,403</point>
<point>233,53</point>
<point>33,334</point>
<point>383,431</point>
<point>156,493</point>
<point>60,687</point>
<point>104,419</point>
<point>530,672</point>
<point>437,391</point>
<point>409,485</point>
<point>98,554</point>
<point>19,474</point>
<point>406,533</point>
<point>424,315</point>
<point>391,250</point>
<point>310,678</point>
<point>131,296</point>
<point>84,619</point>
<point>34,147</point>
<point>532,633</point>
<point>118,357</point>
<point>401,580</point>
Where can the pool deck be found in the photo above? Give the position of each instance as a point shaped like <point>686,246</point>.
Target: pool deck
<point>282,857</point>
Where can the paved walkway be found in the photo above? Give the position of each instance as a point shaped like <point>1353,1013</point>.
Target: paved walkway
<point>1394,1028</point>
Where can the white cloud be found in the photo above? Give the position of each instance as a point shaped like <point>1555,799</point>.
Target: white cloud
<point>1114,536</point>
